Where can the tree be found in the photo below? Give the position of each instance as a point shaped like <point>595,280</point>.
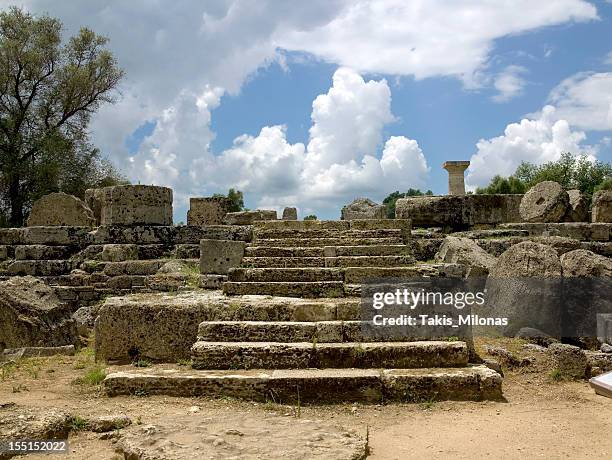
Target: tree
<point>390,200</point>
<point>572,172</point>
<point>310,217</point>
<point>503,185</point>
<point>48,93</point>
<point>236,199</point>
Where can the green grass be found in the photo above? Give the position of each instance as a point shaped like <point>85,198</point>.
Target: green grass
<point>142,363</point>
<point>78,423</point>
<point>184,362</point>
<point>556,375</point>
<point>92,377</point>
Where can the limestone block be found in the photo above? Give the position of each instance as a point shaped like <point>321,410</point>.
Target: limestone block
<point>56,236</point>
<point>218,256</point>
<point>119,252</point>
<point>290,214</point>
<point>248,217</point>
<point>466,252</point>
<point>32,315</point>
<point>42,252</point>
<point>578,210</point>
<point>363,208</point>
<point>571,361</point>
<point>132,205</point>
<point>545,202</point>
<point>3,253</point>
<point>207,211</point>
<point>60,209</point>
<point>524,286</point>
<point>602,206</point>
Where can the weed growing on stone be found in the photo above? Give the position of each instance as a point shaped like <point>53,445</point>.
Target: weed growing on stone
<point>142,363</point>
<point>92,377</point>
<point>78,423</point>
<point>184,362</point>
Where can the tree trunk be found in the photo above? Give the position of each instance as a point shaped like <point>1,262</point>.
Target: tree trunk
<point>16,201</point>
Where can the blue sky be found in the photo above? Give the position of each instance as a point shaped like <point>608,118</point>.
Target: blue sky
<point>222,94</point>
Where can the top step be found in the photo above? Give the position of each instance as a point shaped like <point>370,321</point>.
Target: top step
<point>365,224</point>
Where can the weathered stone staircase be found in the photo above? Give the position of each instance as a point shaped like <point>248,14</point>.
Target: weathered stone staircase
<point>321,258</point>
<point>315,350</point>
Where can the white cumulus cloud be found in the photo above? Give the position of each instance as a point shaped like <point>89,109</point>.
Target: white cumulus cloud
<point>534,140</point>
<point>585,100</point>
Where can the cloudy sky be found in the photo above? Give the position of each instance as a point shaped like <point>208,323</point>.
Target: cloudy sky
<point>312,104</point>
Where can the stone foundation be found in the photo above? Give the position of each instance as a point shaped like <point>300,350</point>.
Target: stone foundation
<point>459,212</point>
<point>207,211</point>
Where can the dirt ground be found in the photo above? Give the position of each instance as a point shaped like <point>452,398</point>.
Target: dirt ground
<point>542,417</point>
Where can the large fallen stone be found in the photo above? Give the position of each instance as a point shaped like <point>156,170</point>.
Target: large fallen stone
<point>60,209</point>
<point>587,292</point>
<point>524,286</point>
<point>578,210</point>
<point>465,251</point>
<point>243,436</point>
<point>363,208</point>
<point>568,360</point>
<point>544,202</point>
<point>585,263</point>
<point>602,206</point>
<point>290,214</point>
<point>21,423</point>
<point>131,205</point>
<point>33,316</point>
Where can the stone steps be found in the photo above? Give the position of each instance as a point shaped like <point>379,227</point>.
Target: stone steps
<point>301,331</point>
<point>328,262</point>
<point>321,242</point>
<point>285,274</point>
<point>308,386</point>
<point>303,355</point>
<point>286,289</point>
<point>263,234</point>
<point>271,251</point>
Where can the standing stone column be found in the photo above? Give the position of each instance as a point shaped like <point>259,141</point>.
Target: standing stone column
<point>456,183</point>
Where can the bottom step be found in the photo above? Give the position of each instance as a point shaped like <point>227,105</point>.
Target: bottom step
<point>474,383</point>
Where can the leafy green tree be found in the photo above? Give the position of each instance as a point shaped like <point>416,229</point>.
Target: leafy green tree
<point>310,217</point>
<point>390,200</point>
<point>504,185</point>
<point>572,172</point>
<point>48,93</point>
<point>605,185</point>
<point>236,199</point>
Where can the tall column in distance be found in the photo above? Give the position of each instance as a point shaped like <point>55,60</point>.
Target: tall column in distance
<point>456,183</point>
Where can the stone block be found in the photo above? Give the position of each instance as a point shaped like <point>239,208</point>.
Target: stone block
<point>3,253</point>
<point>119,252</point>
<point>60,209</point>
<point>602,206</point>
<point>363,208</point>
<point>56,236</point>
<point>578,210</point>
<point>459,212</point>
<point>290,214</point>
<point>545,202</point>
<point>248,217</point>
<point>132,205</point>
<point>207,211</point>
<point>218,256</point>
<point>569,360</point>
<point>42,252</point>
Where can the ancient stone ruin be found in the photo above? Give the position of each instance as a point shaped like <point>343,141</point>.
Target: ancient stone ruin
<point>283,296</point>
